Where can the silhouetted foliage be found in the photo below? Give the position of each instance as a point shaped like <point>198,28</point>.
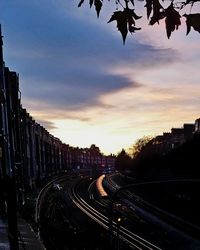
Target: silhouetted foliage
<point>139,145</point>
<point>172,19</point>
<point>146,160</point>
<point>123,161</point>
<point>182,161</point>
<point>126,17</point>
<point>185,159</point>
<point>125,21</point>
<point>193,20</point>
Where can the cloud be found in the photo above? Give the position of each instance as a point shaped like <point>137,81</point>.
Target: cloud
<point>75,72</point>
<point>76,93</point>
<point>66,62</point>
<point>78,81</point>
<point>47,124</point>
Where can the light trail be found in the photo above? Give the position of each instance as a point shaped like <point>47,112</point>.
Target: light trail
<point>100,187</point>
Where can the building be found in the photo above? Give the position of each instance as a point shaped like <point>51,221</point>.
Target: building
<point>197,125</point>
<point>177,136</point>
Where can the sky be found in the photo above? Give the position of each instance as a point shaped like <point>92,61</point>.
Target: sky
<point>81,83</point>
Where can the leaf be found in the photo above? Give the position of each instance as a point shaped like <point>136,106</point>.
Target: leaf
<point>134,15</point>
<point>149,7</point>
<point>120,18</point>
<point>131,17</point>
<point>132,29</point>
<point>125,21</point>
<point>191,2</point>
<point>188,27</point>
<point>157,17</point>
<point>98,4</point>
<point>91,3</point>
<point>192,20</point>
<point>172,20</point>
<point>158,12</point>
<point>80,3</point>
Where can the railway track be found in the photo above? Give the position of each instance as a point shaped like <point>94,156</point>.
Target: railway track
<point>133,240</point>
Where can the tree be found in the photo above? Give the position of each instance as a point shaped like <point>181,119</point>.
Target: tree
<point>171,11</point>
<point>123,161</point>
<point>139,145</point>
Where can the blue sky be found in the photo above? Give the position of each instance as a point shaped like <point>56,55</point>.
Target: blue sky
<point>80,81</point>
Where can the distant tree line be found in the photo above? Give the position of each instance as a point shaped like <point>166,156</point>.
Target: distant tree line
<point>182,161</point>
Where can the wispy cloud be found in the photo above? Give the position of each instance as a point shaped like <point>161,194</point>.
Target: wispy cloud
<point>47,124</point>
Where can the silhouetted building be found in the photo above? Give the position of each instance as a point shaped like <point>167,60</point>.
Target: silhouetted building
<point>177,136</point>
<point>167,141</point>
<point>188,130</point>
<point>91,159</point>
<point>10,152</point>
<point>197,125</point>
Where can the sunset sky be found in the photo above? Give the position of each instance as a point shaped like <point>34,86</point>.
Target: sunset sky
<point>81,83</point>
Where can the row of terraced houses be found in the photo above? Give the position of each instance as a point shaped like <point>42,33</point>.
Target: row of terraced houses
<point>29,154</point>
<point>177,136</point>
